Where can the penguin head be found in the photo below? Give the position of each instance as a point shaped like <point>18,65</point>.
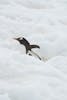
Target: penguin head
<point>20,40</point>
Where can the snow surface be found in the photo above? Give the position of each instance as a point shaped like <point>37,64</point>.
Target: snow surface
<point>24,77</point>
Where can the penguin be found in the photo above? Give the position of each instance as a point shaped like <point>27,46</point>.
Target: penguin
<point>28,46</point>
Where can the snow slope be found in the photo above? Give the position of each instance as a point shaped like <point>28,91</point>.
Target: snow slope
<point>42,22</point>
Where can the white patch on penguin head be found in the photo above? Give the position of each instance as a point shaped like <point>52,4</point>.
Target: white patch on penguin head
<point>20,38</point>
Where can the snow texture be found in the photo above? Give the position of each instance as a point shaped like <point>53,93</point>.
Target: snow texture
<point>41,22</point>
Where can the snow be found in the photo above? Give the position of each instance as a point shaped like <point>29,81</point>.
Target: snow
<point>4,97</point>
<point>41,22</point>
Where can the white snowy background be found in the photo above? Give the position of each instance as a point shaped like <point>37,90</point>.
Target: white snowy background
<point>24,77</point>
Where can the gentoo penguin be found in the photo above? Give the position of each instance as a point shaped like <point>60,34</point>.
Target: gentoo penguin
<point>27,45</point>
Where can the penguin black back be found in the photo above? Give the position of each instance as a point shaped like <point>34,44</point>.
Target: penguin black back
<point>27,45</point>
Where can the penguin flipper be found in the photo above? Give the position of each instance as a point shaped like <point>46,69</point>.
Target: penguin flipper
<point>35,46</point>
